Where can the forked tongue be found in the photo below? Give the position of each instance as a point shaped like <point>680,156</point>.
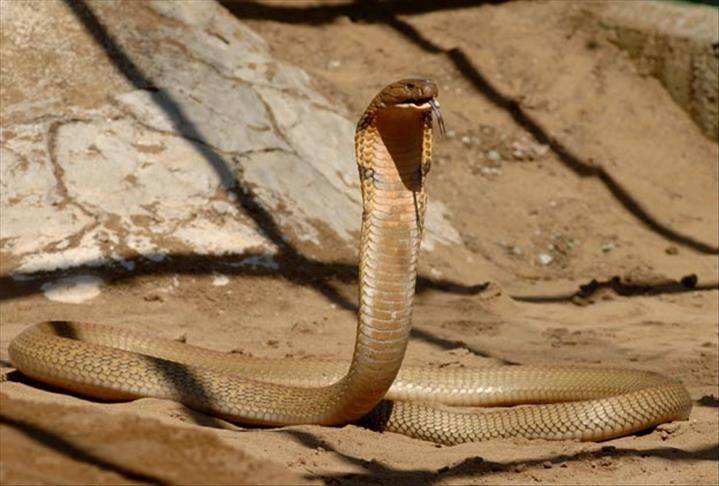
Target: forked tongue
<point>438,114</point>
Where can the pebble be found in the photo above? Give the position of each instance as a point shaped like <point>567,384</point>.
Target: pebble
<point>466,140</point>
<point>489,170</point>
<point>671,250</point>
<point>519,151</point>
<point>545,259</point>
<point>494,155</point>
<point>665,430</point>
<point>608,247</point>
<point>222,208</point>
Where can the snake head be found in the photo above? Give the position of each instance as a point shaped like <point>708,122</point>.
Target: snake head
<point>409,92</point>
<point>414,93</point>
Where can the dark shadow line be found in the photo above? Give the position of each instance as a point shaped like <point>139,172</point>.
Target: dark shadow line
<point>428,337</point>
<point>688,283</point>
<point>375,470</point>
<point>708,401</point>
<point>67,448</point>
<point>361,10</point>
<point>313,273</point>
<point>192,391</point>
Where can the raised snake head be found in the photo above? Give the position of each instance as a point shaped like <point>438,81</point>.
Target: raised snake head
<point>412,93</point>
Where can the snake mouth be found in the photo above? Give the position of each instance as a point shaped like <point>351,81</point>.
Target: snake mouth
<point>418,104</point>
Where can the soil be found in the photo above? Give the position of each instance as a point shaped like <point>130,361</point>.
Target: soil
<point>587,204</point>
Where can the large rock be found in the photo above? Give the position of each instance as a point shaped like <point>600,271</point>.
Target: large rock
<point>139,130</point>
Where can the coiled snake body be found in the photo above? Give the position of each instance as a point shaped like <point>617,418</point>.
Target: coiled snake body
<point>393,147</point>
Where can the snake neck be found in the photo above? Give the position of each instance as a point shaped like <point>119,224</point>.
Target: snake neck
<point>390,152</point>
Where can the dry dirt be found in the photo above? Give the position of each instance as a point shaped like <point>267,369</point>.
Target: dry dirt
<point>559,149</point>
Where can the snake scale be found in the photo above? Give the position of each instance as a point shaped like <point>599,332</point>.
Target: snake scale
<point>393,144</point>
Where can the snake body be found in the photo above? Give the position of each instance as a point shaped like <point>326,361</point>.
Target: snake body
<point>393,143</point>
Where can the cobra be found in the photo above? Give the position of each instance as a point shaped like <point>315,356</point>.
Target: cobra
<point>393,144</point>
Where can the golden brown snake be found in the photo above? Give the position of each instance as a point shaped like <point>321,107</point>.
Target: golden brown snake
<point>393,147</point>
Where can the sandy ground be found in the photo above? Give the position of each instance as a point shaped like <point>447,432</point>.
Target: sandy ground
<point>564,167</point>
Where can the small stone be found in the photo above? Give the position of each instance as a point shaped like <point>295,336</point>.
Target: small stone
<point>180,338</point>
<point>489,171</point>
<point>272,342</point>
<point>608,247</point>
<point>547,465</point>
<point>516,251</point>
<point>671,250</point>
<point>494,155</point>
<point>219,280</point>
<point>334,64</point>
<point>154,296</point>
<point>222,208</point>
<point>451,133</point>
<point>540,149</point>
<point>466,140</point>
<point>545,259</point>
<point>666,430</point>
<point>519,151</point>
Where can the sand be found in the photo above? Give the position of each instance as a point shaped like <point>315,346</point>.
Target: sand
<point>586,202</point>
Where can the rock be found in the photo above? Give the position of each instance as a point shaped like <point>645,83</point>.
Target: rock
<point>606,248</point>
<point>545,258</point>
<point>139,157</point>
<point>494,156</point>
